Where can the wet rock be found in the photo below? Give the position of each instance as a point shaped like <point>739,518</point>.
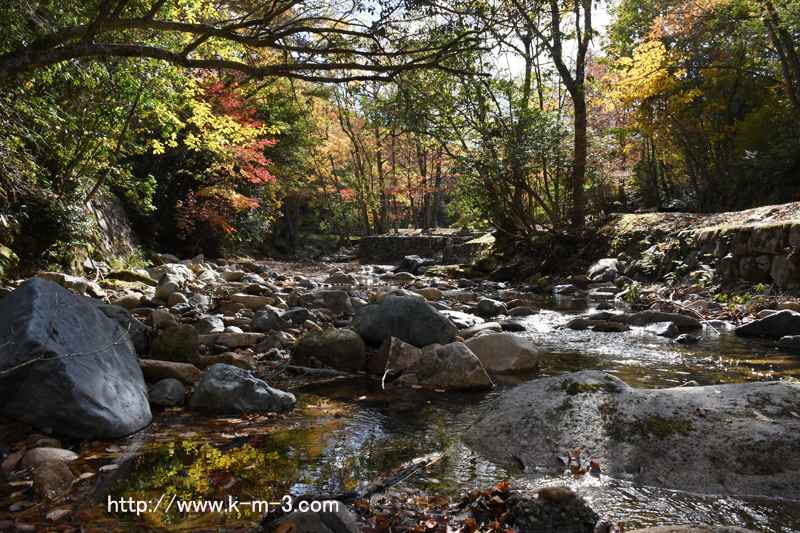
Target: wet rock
<point>211,324</point>
<point>790,343</point>
<point>462,320</point>
<point>523,310</point>
<point>155,371</point>
<point>201,302</point>
<point>687,338</point>
<point>341,349</point>
<point>604,270</point>
<point>781,324</point>
<point>564,289</point>
<point>239,360</point>
<point>162,259</point>
<point>232,339</point>
<point>332,517</point>
<point>579,281</point>
<point>474,330</point>
<point>138,332</point>
<point>791,306</point>
<point>663,329</point>
<point>161,318</point>
<point>623,428</point>
<point>98,395</point>
<point>429,293</point>
<point>179,344</point>
<point>52,476</point>
<point>551,509</point>
<point>505,325</point>
<point>451,367</point>
<point>393,355</point>
<point>128,302</point>
<point>491,286</point>
<point>581,323</point>
<point>505,353</point>
<point>489,307</point>
<point>643,318</point>
<point>610,327</point>
<point>36,456</point>
<point>400,277</point>
<point>693,529</point>
<point>167,393</point>
<point>337,302</point>
<point>225,389</point>
<point>465,283</point>
<point>411,321</point>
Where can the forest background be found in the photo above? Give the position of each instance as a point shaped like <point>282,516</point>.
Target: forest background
<point>238,127</point>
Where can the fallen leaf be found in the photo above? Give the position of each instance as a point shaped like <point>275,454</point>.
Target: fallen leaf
<point>794,414</point>
<point>362,397</point>
<point>574,455</point>
<point>729,489</point>
<point>416,386</point>
<point>763,418</point>
<point>594,467</point>
<point>11,461</point>
<point>86,475</point>
<point>439,390</point>
<point>188,434</point>
<point>56,514</point>
<point>113,449</point>
<point>105,468</point>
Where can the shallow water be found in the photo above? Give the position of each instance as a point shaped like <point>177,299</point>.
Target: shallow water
<point>345,433</point>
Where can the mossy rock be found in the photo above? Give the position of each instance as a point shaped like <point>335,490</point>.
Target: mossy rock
<point>342,349</point>
<point>8,261</point>
<point>132,277</point>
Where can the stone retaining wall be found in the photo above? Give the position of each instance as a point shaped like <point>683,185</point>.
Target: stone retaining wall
<point>446,248</point>
<point>760,253</point>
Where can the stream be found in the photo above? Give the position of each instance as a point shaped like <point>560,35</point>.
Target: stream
<point>344,433</point>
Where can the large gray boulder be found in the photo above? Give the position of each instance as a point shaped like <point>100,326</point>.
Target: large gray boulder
<point>411,321</point>
<point>504,352</point>
<point>393,355</point>
<point>341,349</point>
<point>227,389</point>
<point>781,324</point>
<point>140,335</point>
<point>687,438</point>
<point>449,367</point>
<point>100,395</point>
<point>643,318</point>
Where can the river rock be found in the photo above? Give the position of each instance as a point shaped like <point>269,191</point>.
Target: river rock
<point>279,340</point>
<point>693,529</point>
<point>341,349</point>
<point>51,477</point>
<point>167,393</point>
<point>505,353</point>
<point>167,284</point>
<point>687,338</point>
<point>642,318</point>
<point>337,302</point>
<point>239,360</point>
<point>450,367</point>
<point>340,278</point>
<point>430,293</point>
<point>232,339</point>
<point>522,310</point>
<point>582,282</point>
<point>381,296</point>
<point>610,327</point>
<point>486,326</point>
<point>604,270</point>
<point>212,324</point>
<point>333,517</point>
<point>564,289</point>
<point>225,389</point>
<point>94,396</point>
<point>781,324</point>
<point>139,334</point>
<point>489,307</point>
<point>411,321</point>
<point>464,283</point>
<point>686,438</point>
<point>462,320</point>
<point>161,318</point>
<point>298,315</point>
<point>789,343</point>
<point>252,301</point>
<point>662,329</point>
<point>269,319</point>
<point>582,323</point>
<point>394,355</point>
<point>36,456</point>
<point>179,344</point>
<point>155,371</point>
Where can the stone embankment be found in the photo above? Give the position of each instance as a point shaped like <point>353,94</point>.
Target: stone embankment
<point>447,249</point>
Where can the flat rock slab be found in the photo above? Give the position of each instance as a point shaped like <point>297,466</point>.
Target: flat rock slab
<point>687,438</point>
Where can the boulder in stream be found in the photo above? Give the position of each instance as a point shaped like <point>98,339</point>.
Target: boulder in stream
<point>696,439</point>
<point>505,353</point>
<point>416,323</point>
<point>99,395</point>
<point>341,349</point>
<point>777,325</point>
<point>227,389</point>
<point>449,367</point>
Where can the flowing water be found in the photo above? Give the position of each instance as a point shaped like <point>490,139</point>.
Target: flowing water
<point>343,434</point>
